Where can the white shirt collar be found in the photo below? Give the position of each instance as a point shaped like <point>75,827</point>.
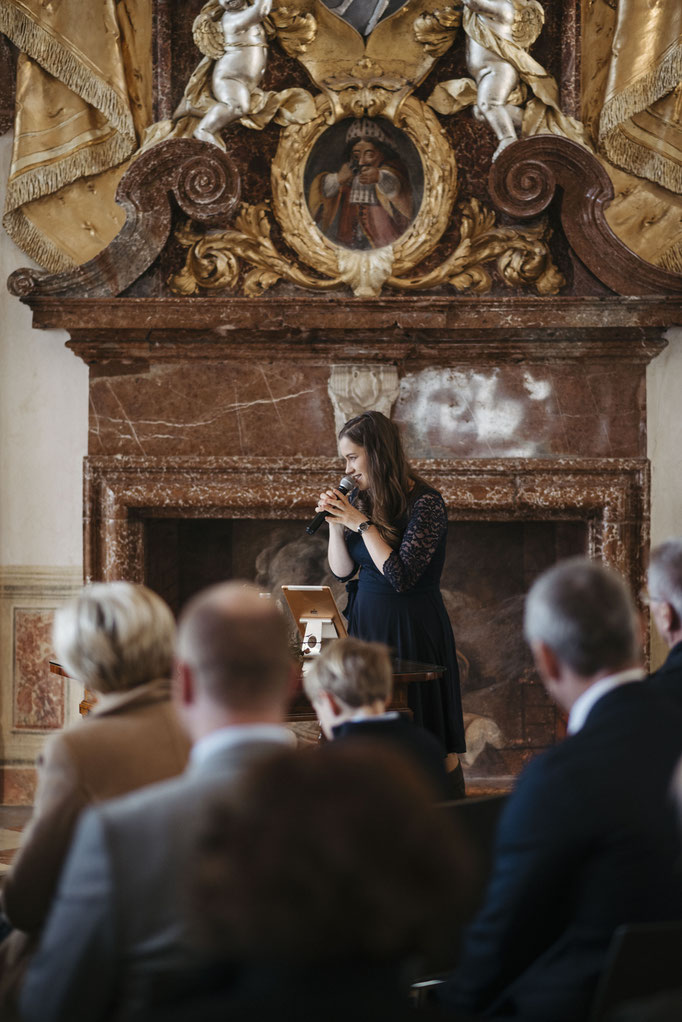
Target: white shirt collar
<point>584,703</point>
<point>235,734</point>
<point>387,715</point>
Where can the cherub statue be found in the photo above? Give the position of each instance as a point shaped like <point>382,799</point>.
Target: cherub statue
<point>496,31</point>
<point>240,68</point>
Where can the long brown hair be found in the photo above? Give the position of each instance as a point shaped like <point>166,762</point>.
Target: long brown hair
<point>390,476</point>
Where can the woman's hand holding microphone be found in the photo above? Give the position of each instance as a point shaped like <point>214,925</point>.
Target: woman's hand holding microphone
<point>340,511</point>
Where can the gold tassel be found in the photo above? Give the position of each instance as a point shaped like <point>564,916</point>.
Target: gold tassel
<point>32,241</point>
<point>622,151</point>
<point>32,40</point>
<point>636,159</point>
<point>101,156</point>
<point>672,258</point>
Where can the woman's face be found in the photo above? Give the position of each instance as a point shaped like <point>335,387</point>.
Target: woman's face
<point>356,462</point>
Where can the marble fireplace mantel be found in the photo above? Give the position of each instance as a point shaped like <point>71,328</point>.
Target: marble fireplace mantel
<point>609,495</point>
<point>483,330</point>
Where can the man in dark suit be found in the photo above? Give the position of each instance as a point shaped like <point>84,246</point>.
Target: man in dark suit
<point>588,839</point>
<point>665,600</point>
<point>350,686</point>
<point>118,919</point>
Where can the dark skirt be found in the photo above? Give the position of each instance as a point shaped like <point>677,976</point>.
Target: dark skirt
<point>415,626</point>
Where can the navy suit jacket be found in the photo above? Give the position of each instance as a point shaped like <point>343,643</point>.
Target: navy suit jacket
<point>667,680</point>
<point>587,841</point>
<point>417,744</point>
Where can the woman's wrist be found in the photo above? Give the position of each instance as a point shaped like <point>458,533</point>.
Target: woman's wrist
<point>364,526</point>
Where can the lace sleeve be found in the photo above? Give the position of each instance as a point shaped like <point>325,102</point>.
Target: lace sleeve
<point>428,521</point>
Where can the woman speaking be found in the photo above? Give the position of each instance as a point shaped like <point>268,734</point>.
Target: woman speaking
<point>393,527</point>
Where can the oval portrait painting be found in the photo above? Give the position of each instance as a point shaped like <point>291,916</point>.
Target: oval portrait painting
<point>364,183</point>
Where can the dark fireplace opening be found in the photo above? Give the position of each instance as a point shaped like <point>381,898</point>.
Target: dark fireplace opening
<point>489,567</point>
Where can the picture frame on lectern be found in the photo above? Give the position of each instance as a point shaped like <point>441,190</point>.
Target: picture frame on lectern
<point>316,614</point>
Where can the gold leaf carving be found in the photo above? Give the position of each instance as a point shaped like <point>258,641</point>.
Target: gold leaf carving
<point>522,255</point>
<point>440,188</point>
<point>365,74</point>
<point>366,272</point>
<point>216,259</point>
<point>213,260</point>
<point>436,30</point>
<point>295,29</point>
<point>365,90</point>
<point>207,32</point>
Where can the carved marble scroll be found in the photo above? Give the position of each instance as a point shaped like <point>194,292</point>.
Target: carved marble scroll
<point>526,178</point>
<point>203,181</point>
<point>354,389</point>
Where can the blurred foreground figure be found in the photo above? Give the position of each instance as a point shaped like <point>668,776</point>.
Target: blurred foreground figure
<point>665,600</point>
<point>117,926</point>
<point>588,839</point>
<point>117,639</point>
<point>350,686</point>
<point>318,885</point>
<point>666,1005</point>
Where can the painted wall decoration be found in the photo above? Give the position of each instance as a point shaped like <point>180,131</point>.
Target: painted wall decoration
<point>364,183</point>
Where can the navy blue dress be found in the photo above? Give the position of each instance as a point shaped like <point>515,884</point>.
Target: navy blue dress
<point>404,609</point>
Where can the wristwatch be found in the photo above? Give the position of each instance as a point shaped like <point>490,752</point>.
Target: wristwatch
<point>364,526</point>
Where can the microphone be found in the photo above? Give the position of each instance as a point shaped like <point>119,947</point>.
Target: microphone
<point>345,486</point>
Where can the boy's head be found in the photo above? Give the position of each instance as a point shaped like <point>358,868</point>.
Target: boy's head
<point>348,677</point>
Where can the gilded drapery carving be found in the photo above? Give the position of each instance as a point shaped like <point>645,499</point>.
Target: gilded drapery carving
<point>83,100</point>
<point>639,126</point>
<point>646,216</point>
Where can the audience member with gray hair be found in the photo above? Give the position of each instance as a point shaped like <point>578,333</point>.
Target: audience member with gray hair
<point>588,839</point>
<point>118,923</point>
<point>350,685</point>
<point>117,639</point>
<point>665,600</point>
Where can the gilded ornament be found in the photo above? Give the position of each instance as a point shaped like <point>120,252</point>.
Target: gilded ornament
<point>522,258</point>
<point>436,30</point>
<point>364,181</point>
<point>295,29</point>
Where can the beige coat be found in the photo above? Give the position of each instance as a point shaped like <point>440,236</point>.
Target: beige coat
<point>129,740</point>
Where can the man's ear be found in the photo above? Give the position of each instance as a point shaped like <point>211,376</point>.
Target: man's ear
<point>183,684</point>
<point>665,618</point>
<point>546,661</point>
<point>329,702</point>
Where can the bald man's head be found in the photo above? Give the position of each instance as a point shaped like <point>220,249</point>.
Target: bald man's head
<point>236,645</point>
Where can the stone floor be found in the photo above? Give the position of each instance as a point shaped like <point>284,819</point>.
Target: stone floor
<point>13,819</point>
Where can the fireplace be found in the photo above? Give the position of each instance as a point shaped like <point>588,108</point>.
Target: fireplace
<point>179,523</point>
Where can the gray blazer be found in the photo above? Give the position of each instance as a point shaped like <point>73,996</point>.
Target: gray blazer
<point>118,917</point>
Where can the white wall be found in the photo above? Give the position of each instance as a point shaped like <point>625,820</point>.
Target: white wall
<point>664,414</point>
<point>43,428</point>
<point>664,421</point>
